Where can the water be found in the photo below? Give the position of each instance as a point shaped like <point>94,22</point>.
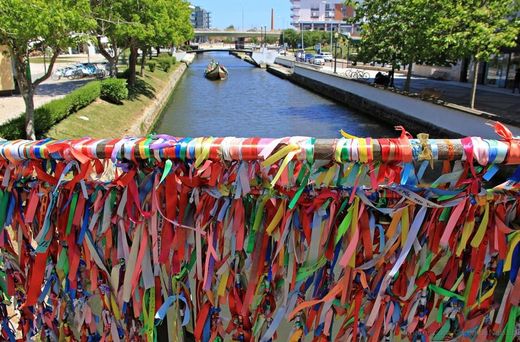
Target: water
<point>252,102</point>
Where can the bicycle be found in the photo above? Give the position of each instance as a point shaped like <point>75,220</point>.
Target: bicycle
<point>357,74</point>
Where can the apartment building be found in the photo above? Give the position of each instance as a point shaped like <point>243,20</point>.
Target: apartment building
<point>323,15</point>
<point>200,18</point>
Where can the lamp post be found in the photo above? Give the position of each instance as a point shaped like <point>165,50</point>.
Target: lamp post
<point>348,46</point>
<point>336,35</point>
<point>301,29</point>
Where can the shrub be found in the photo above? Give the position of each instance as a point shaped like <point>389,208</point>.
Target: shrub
<point>151,66</point>
<point>124,74</point>
<point>174,60</point>
<point>165,63</point>
<point>114,90</point>
<point>53,112</point>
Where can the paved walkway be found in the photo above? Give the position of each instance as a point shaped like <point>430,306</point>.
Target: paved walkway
<point>497,101</point>
<point>13,106</point>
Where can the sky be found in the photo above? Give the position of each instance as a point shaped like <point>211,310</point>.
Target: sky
<point>257,13</point>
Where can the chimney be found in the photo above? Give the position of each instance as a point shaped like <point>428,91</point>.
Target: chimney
<point>272,19</point>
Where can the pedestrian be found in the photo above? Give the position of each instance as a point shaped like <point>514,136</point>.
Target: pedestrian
<point>516,83</point>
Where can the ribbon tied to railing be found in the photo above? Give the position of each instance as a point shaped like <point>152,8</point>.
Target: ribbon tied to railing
<point>257,239</point>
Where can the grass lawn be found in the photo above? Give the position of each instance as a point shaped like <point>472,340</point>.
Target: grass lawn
<point>107,120</point>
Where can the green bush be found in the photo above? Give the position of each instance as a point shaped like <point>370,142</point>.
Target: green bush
<point>114,90</point>
<point>124,74</point>
<point>151,66</point>
<point>53,112</point>
<point>174,60</point>
<point>165,63</point>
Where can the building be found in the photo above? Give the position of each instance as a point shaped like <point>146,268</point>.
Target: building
<point>7,80</point>
<point>323,15</point>
<point>200,18</point>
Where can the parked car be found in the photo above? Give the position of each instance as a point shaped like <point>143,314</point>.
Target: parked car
<point>327,56</point>
<point>318,60</point>
<point>308,57</point>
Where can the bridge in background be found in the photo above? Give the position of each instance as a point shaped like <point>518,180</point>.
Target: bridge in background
<point>236,34</point>
<point>230,50</point>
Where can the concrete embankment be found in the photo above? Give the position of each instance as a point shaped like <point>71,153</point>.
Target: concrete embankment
<point>416,115</point>
<point>245,57</point>
<point>153,112</point>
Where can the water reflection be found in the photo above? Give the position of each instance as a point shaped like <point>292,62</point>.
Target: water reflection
<point>253,102</point>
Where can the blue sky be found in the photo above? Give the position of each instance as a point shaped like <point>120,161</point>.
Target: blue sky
<point>256,12</point>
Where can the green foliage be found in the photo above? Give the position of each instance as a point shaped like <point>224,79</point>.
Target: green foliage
<point>144,23</point>
<point>53,112</point>
<point>479,29</point>
<point>310,38</point>
<point>114,90</point>
<point>400,31</point>
<point>151,66</point>
<point>166,62</point>
<point>124,74</point>
<point>48,23</point>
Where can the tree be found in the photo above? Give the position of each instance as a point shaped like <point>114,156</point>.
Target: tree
<point>108,15</point>
<point>479,29</point>
<point>230,28</point>
<point>400,32</point>
<point>290,36</point>
<point>56,24</point>
<point>153,23</point>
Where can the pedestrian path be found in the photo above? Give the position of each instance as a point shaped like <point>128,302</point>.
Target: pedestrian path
<point>496,101</point>
<point>13,106</point>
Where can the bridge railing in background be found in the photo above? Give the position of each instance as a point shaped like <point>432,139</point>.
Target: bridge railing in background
<point>234,238</point>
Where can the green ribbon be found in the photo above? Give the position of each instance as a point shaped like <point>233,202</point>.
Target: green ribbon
<point>72,210</point>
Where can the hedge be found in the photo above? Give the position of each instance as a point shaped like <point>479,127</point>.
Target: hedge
<point>114,90</point>
<point>52,112</point>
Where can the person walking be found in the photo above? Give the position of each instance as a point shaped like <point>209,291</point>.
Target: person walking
<point>516,83</point>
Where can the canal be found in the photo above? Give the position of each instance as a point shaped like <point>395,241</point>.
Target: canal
<point>252,102</point>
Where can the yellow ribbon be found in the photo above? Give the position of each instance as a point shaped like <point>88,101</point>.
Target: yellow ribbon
<point>347,135</point>
<point>202,150</point>
<point>276,219</point>
<point>479,235</point>
<point>466,233</point>
<point>515,239</point>
<point>288,152</point>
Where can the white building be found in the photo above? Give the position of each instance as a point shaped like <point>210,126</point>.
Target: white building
<point>323,15</point>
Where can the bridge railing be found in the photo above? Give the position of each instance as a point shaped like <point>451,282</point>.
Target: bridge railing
<point>234,238</point>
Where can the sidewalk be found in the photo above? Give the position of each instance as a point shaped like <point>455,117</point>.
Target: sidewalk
<point>498,101</point>
<point>13,106</point>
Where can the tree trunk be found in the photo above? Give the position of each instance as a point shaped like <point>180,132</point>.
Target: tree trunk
<point>132,62</point>
<point>28,98</point>
<point>408,77</point>
<point>27,92</point>
<point>112,60</point>
<point>474,86</point>
<point>143,57</point>
<point>158,51</point>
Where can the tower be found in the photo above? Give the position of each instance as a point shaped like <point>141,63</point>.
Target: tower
<point>272,19</point>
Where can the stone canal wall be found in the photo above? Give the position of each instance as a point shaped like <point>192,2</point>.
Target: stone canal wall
<point>152,113</point>
<point>416,115</point>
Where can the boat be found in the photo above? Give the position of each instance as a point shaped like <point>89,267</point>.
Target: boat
<point>215,71</point>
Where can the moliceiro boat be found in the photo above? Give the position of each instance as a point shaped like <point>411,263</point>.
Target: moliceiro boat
<point>215,71</point>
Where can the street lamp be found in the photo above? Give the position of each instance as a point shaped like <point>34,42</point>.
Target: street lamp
<point>301,29</point>
<point>336,36</point>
